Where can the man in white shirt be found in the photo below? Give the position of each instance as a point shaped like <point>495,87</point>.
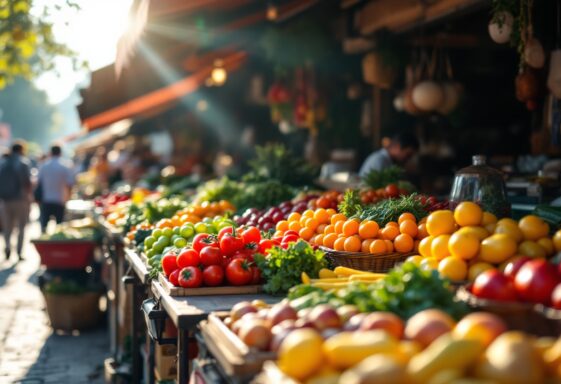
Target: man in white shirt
<point>56,178</point>
<point>402,147</point>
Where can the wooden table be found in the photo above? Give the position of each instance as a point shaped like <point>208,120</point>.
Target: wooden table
<point>187,312</point>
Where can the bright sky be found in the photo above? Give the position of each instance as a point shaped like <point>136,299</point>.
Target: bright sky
<point>93,32</point>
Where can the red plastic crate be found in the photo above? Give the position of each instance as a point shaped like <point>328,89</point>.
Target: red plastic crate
<point>67,254</point>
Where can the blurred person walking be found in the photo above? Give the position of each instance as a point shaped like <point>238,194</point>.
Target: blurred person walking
<point>56,178</point>
<point>15,196</point>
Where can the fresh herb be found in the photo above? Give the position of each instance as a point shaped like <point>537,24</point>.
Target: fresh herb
<point>282,268</point>
<point>351,204</point>
<point>216,190</point>
<point>380,179</point>
<point>390,209</point>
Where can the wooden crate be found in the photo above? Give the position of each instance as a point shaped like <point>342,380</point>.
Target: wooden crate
<point>207,291</point>
<point>235,358</point>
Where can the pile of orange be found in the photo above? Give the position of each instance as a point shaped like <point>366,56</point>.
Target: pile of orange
<point>196,212</point>
<point>308,224</point>
<point>467,241</point>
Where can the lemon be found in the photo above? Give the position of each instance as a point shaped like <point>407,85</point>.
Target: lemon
<point>497,248</point>
<point>300,353</point>
<point>468,213</point>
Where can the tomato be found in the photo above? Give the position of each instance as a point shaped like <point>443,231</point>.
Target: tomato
<point>173,278</point>
<point>202,240</point>
<point>210,256</point>
<point>225,261</point>
<point>169,263</point>
<point>231,243</point>
<point>512,267</point>
<point>265,245</point>
<point>190,277</point>
<point>492,284</point>
<point>403,192</point>
<point>224,231</point>
<point>290,238</point>
<point>256,275</point>
<point>239,272</point>
<point>392,190</point>
<point>556,297</point>
<point>188,258</point>
<point>244,254</point>
<point>251,235</point>
<point>536,280</point>
<point>213,275</point>
<point>290,233</point>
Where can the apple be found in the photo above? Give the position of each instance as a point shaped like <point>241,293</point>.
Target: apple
<point>278,338</point>
<point>426,326</point>
<point>482,326</point>
<point>286,324</point>
<point>386,321</point>
<point>260,304</point>
<point>492,284</point>
<point>354,322</point>
<point>513,266</point>
<point>228,321</point>
<point>556,297</point>
<point>303,313</point>
<point>281,312</point>
<point>256,334</point>
<point>536,280</point>
<point>304,323</point>
<point>327,333</point>
<point>241,309</point>
<point>325,316</point>
<point>347,311</point>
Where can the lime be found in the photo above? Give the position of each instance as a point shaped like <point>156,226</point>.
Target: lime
<point>187,231</point>
<point>149,242</point>
<point>180,243</point>
<point>150,253</point>
<point>158,247</point>
<point>156,233</point>
<point>164,240</point>
<point>177,230</point>
<point>201,227</point>
<point>167,232</point>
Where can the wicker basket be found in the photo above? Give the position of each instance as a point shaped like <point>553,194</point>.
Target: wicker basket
<point>380,263</point>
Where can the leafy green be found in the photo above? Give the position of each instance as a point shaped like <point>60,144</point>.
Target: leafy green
<point>351,204</point>
<point>390,209</point>
<point>282,268</point>
<point>263,194</point>
<point>216,190</point>
<point>379,179</point>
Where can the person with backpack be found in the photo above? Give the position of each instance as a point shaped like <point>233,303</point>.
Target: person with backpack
<point>15,197</point>
<point>56,178</point>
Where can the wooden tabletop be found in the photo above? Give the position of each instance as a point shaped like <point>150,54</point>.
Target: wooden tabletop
<point>187,312</point>
<point>137,265</point>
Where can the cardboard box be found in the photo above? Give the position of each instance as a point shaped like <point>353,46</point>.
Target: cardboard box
<point>165,362</point>
<point>71,312</point>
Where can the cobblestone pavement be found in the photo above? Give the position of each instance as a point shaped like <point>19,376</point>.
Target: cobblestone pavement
<point>30,352</point>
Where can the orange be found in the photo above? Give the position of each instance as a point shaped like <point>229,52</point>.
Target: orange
<point>378,246</point>
<point>308,213</point>
<point>339,226</point>
<point>497,248</point>
<point>478,232</point>
<point>409,227</point>
<point>389,245</point>
<point>294,226</point>
<point>422,231</point>
<point>557,240</point>
<point>403,243</point>
<point>488,218</point>
<point>425,246</point>
<point>453,268</point>
<point>389,232</point>
<point>463,245</point>
<point>392,224</point>
<point>330,212</point>
<point>306,233</point>
<point>321,228</point>
<point>294,216</point>
<point>329,229</point>
<point>548,245</point>
<point>406,216</point>
<point>338,217</point>
<point>533,227</point>
<point>416,246</point>
<point>490,227</point>
<point>321,216</point>
<point>476,269</point>
<point>312,224</point>
<point>439,247</point>
<point>531,249</point>
<point>350,227</point>
<point>329,239</point>
<point>507,221</point>
<point>415,259</point>
<point>318,239</point>
<point>468,213</point>
<point>352,244</point>
<point>365,245</point>
<point>282,225</point>
<point>368,229</point>
<point>339,244</point>
<point>511,230</point>
<point>429,263</point>
<point>441,223</point>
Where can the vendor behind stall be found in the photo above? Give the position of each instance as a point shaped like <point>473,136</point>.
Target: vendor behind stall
<point>400,149</point>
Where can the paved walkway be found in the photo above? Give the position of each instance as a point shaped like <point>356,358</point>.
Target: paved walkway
<point>30,352</point>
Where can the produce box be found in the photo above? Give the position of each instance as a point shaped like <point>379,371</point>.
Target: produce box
<point>236,359</point>
<point>69,312</point>
<point>165,365</point>
<point>65,254</point>
<point>379,263</point>
<point>207,291</point>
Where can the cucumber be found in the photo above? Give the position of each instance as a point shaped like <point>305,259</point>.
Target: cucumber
<point>551,215</point>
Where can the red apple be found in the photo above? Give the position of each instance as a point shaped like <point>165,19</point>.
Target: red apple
<point>347,311</point>
<point>286,324</point>
<point>281,312</point>
<point>513,266</point>
<point>482,326</point>
<point>256,334</point>
<point>241,309</point>
<point>386,321</point>
<point>354,322</point>
<point>536,280</point>
<point>492,284</point>
<point>303,313</point>
<point>278,338</point>
<point>426,326</point>
<point>325,316</point>
<point>304,323</point>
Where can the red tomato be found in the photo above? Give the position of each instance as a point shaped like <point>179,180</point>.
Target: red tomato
<point>239,272</point>
<point>202,240</point>
<point>231,243</point>
<point>169,263</point>
<point>556,297</point>
<point>225,261</point>
<point>244,254</point>
<point>173,278</point>
<point>188,258</point>
<point>392,190</point>
<point>210,256</point>
<point>493,285</point>
<point>265,245</point>
<point>536,280</point>
<point>512,268</point>
<point>256,275</point>
<point>190,277</point>
<point>224,231</point>
<point>213,275</point>
<point>290,232</point>
<point>289,239</point>
<point>251,235</point>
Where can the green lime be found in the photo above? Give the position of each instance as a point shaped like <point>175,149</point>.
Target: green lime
<point>167,232</point>
<point>180,243</point>
<point>207,220</point>
<point>158,247</point>
<point>164,240</point>
<point>156,233</point>
<point>201,227</point>
<point>177,230</point>
<point>150,253</point>
<point>149,242</point>
<point>187,231</point>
